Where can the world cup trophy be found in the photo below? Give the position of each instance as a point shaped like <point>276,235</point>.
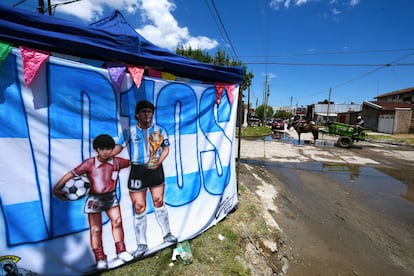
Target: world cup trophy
<point>155,140</point>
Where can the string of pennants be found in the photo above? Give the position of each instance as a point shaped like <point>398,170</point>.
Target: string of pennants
<point>33,60</point>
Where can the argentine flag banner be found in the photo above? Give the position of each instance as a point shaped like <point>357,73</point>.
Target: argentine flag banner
<point>51,130</point>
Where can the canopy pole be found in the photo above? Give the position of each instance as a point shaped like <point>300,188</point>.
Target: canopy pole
<point>239,120</point>
<point>41,7</point>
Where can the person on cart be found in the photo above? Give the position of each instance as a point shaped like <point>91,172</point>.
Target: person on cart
<point>359,123</point>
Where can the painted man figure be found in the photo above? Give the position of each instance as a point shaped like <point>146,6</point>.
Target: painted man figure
<point>149,147</point>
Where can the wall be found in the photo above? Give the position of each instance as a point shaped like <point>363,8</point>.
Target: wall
<point>402,120</point>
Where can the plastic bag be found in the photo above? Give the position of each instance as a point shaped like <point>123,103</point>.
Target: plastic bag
<point>184,251</point>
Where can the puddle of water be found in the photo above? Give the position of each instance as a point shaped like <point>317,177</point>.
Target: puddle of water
<point>377,189</point>
<point>283,136</point>
<point>367,179</point>
<point>370,180</point>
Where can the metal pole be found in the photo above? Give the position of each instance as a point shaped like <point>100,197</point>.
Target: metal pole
<point>49,7</point>
<point>41,7</point>
<point>239,116</point>
<point>329,102</point>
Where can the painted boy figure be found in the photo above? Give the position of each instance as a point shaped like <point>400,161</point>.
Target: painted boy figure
<point>149,147</point>
<point>102,171</point>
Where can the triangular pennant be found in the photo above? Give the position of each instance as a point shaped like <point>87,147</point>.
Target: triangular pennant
<point>116,73</point>
<point>154,73</point>
<point>219,92</point>
<point>32,60</point>
<point>4,51</point>
<point>230,92</point>
<point>168,76</point>
<point>136,74</point>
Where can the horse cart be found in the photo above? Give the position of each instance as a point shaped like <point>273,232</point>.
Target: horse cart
<point>347,134</point>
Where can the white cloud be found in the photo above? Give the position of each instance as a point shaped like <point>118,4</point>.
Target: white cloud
<point>91,10</point>
<point>160,27</point>
<point>353,3</point>
<point>270,76</point>
<point>168,33</point>
<point>336,11</point>
<point>275,4</point>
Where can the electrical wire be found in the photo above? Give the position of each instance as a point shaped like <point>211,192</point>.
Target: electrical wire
<point>335,53</point>
<point>18,3</point>
<point>375,70</point>
<point>224,30</point>
<point>54,6</point>
<point>333,64</point>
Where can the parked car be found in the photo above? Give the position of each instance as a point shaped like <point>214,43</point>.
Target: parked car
<point>278,124</point>
<point>254,121</point>
<point>269,121</point>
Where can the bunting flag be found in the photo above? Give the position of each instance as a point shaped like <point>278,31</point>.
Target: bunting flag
<point>168,76</point>
<point>32,60</point>
<point>229,89</point>
<point>4,51</point>
<point>136,74</point>
<point>116,73</point>
<point>154,73</point>
<point>219,92</point>
<point>230,92</point>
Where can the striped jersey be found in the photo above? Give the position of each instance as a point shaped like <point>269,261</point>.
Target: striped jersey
<point>143,142</point>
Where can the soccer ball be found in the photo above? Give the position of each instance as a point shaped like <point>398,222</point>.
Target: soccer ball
<point>77,187</point>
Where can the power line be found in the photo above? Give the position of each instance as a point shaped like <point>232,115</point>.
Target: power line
<point>215,20</point>
<point>224,29</point>
<point>334,53</point>
<point>54,6</point>
<point>18,3</point>
<point>375,70</point>
<point>334,64</point>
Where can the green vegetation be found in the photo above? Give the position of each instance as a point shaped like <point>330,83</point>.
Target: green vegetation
<point>260,111</point>
<point>282,114</point>
<point>220,58</point>
<point>255,131</point>
<point>394,138</point>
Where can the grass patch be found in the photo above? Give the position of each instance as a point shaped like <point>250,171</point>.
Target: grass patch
<point>395,138</point>
<point>255,131</point>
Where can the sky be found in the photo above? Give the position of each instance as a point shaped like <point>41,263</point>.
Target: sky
<point>299,51</point>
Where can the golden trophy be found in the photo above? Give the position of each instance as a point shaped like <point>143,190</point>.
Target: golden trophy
<point>155,140</point>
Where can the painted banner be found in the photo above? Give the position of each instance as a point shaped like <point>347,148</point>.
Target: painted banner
<point>47,129</point>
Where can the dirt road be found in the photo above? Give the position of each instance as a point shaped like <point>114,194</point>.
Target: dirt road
<point>342,211</point>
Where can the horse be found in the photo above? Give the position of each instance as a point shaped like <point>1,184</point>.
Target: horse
<point>304,127</point>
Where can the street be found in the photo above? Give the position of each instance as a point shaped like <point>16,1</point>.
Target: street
<point>341,211</point>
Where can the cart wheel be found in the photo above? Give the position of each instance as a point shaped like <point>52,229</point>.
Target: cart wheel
<point>345,142</point>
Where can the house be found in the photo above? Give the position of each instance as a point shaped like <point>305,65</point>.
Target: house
<point>344,113</point>
<point>391,112</point>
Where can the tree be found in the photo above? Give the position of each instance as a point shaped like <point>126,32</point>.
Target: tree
<point>283,114</point>
<point>260,111</point>
<point>221,58</point>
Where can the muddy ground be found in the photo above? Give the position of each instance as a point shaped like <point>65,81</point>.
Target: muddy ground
<point>330,225</point>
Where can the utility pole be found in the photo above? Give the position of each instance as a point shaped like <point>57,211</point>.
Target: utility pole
<point>266,95</point>
<point>41,7</point>
<point>264,101</point>
<point>248,103</point>
<point>329,102</point>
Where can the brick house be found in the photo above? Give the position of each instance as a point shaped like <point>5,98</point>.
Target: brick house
<point>392,112</point>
